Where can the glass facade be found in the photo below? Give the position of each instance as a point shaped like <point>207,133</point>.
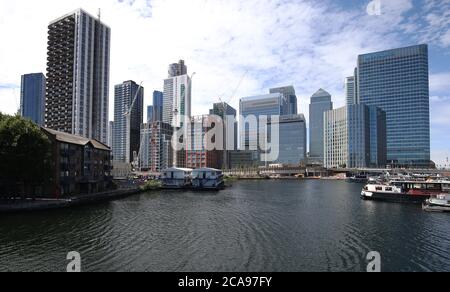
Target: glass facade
<point>292,147</point>
<point>397,81</point>
<point>158,106</point>
<point>355,137</point>
<point>123,97</point>
<point>290,106</point>
<point>358,136</point>
<point>150,112</point>
<point>378,143</point>
<point>32,97</point>
<point>252,108</point>
<point>320,103</point>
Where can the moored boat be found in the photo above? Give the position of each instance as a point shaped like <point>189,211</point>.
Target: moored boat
<point>403,191</point>
<point>437,203</point>
<point>207,179</point>
<point>176,178</point>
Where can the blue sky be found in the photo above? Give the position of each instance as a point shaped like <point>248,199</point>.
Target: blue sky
<point>308,44</point>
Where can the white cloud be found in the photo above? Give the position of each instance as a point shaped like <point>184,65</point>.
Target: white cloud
<point>308,44</point>
<point>440,82</point>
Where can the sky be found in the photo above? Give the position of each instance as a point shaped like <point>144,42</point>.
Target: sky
<point>239,48</point>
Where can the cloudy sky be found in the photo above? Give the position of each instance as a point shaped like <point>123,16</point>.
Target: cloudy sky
<point>308,44</point>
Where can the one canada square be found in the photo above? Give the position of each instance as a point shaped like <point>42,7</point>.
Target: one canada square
<point>78,76</point>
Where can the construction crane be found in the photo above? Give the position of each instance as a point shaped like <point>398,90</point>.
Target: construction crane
<point>127,115</point>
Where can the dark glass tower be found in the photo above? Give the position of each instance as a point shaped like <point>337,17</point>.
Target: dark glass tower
<point>32,97</point>
<point>397,81</point>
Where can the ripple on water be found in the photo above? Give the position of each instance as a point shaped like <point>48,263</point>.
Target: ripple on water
<point>253,226</point>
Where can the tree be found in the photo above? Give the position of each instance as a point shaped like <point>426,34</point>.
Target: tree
<point>25,156</point>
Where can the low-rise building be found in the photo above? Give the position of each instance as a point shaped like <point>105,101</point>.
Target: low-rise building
<point>81,165</point>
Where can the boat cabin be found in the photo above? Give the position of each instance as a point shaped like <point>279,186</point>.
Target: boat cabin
<point>176,177</point>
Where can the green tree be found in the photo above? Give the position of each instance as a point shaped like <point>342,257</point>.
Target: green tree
<point>25,157</point>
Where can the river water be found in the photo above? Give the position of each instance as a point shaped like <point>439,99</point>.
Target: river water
<point>253,226</point>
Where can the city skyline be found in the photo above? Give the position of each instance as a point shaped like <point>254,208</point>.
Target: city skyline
<point>212,82</point>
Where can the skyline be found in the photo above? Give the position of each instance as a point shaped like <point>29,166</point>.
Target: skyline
<point>284,37</point>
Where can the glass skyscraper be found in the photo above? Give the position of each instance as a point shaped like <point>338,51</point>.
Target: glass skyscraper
<point>397,81</point>
<point>256,106</point>
<point>158,106</point>
<point>292,147</point>
<point>320,103</point>
<point>355,137</point>
<point>123,97</point>
<point>32,97</point>
<point>150,116</point>
<point>289,99</point>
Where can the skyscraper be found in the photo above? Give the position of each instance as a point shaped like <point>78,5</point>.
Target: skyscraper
<point>293,136</point>
<point>263,105</point>
<point>177,69</point>
<point>150,112</point>
<point>158,98</point>
<point>123,97</point>
<point>177,100</point>
<point>230,128</point>
<point>350,90</point>
<point>397,81</point>
<point>289,99</point>
<point>111,134</point>
<point>32,97</point>
<point>354,137</point>
<point>78,76</point>
<point>320,103</point>
<point>156,149</point>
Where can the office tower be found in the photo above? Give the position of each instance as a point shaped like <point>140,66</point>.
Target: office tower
<point>257,106</point>
<point>150,112</point>
<point>156,149</point>
<point>289,99</point>
<point>293,136</point>
<point>350,132</point>
<point>111,134</point>
<point>158,106</point>
<point>336,138</point>
<point>397,82</point>
<point>32,97</point>
<point>177,69</point>
<point>230,128</point>
<point>378,138</point>
<point>350,90</point>
<point>320,103</point>
<point>78,76</point>
<point>199,152</point>
<point>127,134</point>
<point>177,100</point>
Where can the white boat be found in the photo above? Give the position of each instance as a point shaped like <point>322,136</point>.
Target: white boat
<point>207,179</point>
<point>438,203</point>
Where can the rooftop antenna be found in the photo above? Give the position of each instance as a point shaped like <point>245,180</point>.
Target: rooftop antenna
<point>99,14</point>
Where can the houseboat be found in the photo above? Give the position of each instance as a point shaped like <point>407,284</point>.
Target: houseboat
<point>176,178</point>
<point>403,191</point>
<point>437,203</point>
<point>207,179</point>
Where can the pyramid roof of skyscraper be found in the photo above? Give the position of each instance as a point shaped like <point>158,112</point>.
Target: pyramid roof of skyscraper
<point>321,93</point>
